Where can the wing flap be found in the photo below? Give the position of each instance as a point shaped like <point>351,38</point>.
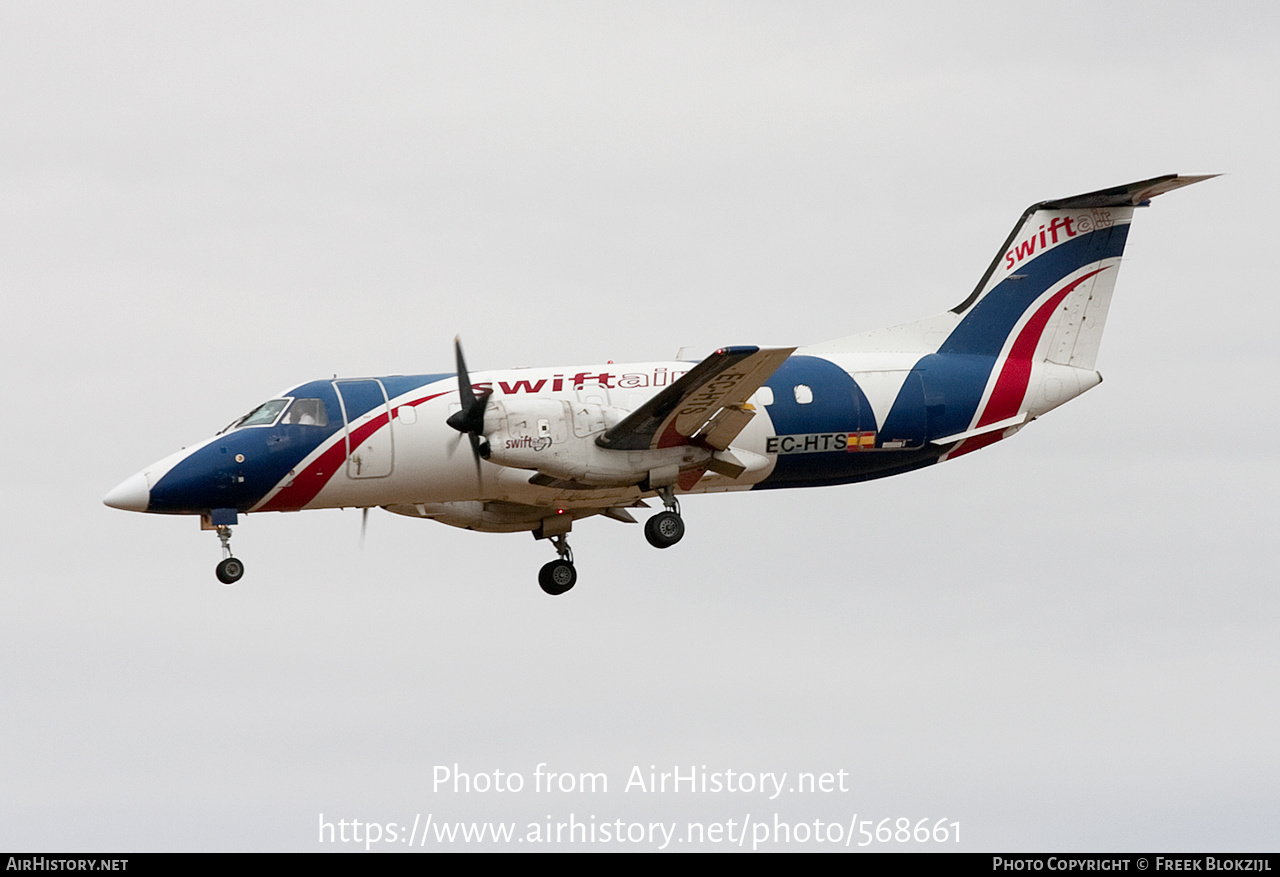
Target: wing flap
<point>708,403</point>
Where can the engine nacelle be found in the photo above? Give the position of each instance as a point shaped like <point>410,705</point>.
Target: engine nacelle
<point>558,438</point>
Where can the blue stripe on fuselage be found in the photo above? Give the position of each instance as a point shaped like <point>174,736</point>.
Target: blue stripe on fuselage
<point>211,478</point>
<point>398,385</point>
<point>943,392</point>
<point>984,329</point>
<point>838,406</point>
<point>938,398</point>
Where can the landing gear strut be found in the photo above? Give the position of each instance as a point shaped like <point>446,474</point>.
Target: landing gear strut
<point>559,575</point>
<point>230,569</point>
<point>666,528</point>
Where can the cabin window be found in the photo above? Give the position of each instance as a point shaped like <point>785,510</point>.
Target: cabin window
<point>804,395</point>
<point>764,395</point>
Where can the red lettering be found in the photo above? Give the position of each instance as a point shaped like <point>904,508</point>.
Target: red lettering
<point>1047,234</point>
<point>1026,249</point>
<point>522,386</point>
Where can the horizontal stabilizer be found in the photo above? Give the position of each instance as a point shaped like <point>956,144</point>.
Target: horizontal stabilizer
<point>1002,425</point>
<point>1021,243</point>
<point>1131,195</point>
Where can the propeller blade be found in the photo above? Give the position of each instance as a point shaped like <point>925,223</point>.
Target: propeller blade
<point>465,391</point>
<point>470,417</point>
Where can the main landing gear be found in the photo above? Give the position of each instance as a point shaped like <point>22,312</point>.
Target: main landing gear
<point>663,530</point>
<point>559,575</point>
<point>666,528</point>
<point>230,569</point>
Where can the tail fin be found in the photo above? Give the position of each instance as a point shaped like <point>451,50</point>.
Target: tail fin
<point>1055,274</point>
<point>1038,311</point>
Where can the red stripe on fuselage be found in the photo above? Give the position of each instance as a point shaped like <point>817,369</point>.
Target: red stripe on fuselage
<point>308,483</point>
<point>1011,386</point>
<point>968,446</point>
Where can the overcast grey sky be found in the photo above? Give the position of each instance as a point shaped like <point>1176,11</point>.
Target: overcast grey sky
<point>1069,641</point>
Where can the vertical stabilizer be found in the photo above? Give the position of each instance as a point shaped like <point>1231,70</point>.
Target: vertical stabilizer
<point>1054,275</point>
<point>1023,342</point>
<point>1038,313</point>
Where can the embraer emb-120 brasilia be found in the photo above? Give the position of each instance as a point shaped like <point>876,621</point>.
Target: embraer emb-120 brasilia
<point>548,447</point>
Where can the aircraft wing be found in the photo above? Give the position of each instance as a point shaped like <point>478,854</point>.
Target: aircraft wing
<point>707,405</point>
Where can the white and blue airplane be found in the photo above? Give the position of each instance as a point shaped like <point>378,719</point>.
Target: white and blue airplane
<point>550,446</point>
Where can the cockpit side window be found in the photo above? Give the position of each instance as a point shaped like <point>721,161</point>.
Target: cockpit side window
<point>307,412</point>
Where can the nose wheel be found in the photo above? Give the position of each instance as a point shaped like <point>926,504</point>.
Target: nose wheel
<point>231,568</point>
<point>559,575</point>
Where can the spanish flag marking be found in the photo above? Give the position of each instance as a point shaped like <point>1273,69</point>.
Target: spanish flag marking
<point>860,441</point>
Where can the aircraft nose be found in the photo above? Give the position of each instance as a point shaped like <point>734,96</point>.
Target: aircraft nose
<point>133,494</point>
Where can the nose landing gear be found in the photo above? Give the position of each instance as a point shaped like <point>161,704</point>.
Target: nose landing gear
<point>230,569</point>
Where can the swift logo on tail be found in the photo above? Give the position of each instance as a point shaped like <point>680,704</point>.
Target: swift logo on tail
<point>1048,236</point>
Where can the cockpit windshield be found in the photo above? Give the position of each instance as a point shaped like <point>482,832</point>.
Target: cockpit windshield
<point>303,412</point>
<point>264,415</point>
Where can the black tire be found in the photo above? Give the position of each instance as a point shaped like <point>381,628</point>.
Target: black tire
<point>664,529</point>
<point>230,570</point>
<point>557,577</point>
